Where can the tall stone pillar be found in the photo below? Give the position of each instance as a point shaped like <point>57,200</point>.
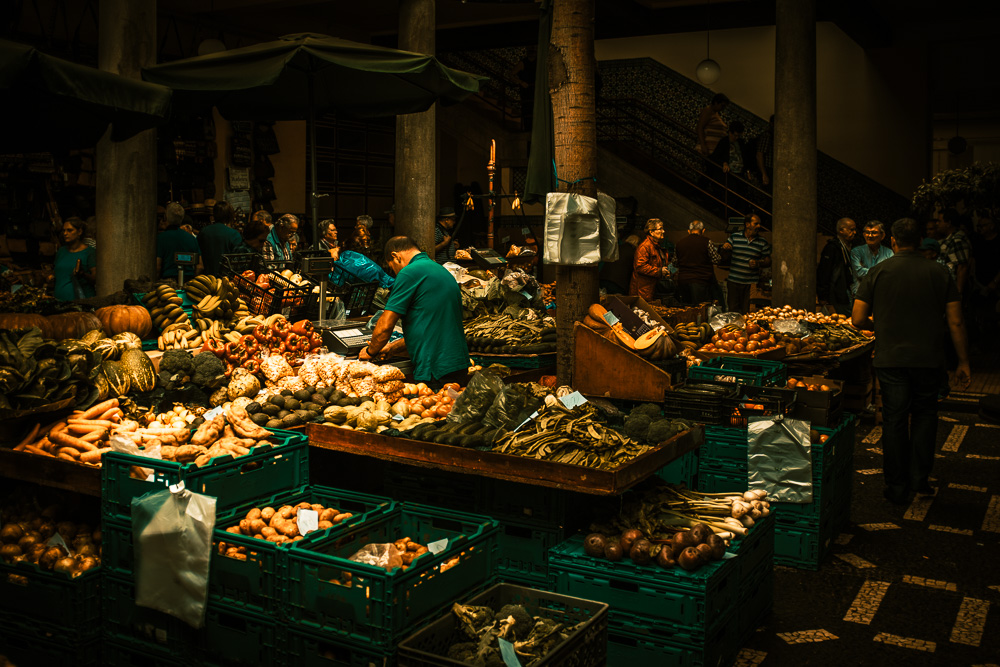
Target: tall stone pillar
<point>416,137</point>
<point>126,170</point>
<point>795,204</point>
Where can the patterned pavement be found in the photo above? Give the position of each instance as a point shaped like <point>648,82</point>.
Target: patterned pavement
<point>915,585</point>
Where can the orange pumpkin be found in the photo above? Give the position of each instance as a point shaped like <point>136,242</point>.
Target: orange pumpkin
<point>24,321</point>
<point>71,325</point>
<point>119,319</point>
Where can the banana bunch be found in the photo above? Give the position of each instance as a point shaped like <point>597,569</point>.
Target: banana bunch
<point>696,334</point>
<point>164,307</point>
<point>246,325</point>
<point>210,328</point>
<point>215,298</point>
<point>180,336</point>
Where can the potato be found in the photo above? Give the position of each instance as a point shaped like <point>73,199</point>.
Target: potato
<point>412,546</point>
<point>49,558</point>
<point>304,506</point>
<point>267,513</point>
<point>277,539</point>
<point>342,517</point>
<point>408,557</point>
<point>245,527</point>
<point>288,529</point>
<point>256,525</point>
<point>235,529</point>
<point>255,513</point>
<point>287,512</point>
<point>268,532</point>
<point>316,507</point>
<point>323,525</point>
<point>327,515</point>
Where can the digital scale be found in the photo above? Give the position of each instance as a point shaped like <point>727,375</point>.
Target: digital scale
<point>185,259</point>
<point>317,265</point>
<point>487,258</point>
<point>349,338</point>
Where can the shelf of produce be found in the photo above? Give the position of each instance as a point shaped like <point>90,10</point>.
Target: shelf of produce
<point>503,466</point>
<point>49,471</point>
<point>607,369</point>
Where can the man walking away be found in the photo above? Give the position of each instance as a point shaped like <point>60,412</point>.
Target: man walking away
<point>912,301</point>
<point>751,253</point>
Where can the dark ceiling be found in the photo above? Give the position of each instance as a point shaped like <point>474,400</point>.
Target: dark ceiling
<point>958,38</point>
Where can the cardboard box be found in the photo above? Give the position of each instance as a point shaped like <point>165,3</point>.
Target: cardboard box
<point>820,399</point>
<point>818,416</point>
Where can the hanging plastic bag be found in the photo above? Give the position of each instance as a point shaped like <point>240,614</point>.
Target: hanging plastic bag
<point>572,229</point>
<point>172,531</point>
<point>477,398</point>
<point>779,458</point>
<point>725,319</point>
<point>508,406</point>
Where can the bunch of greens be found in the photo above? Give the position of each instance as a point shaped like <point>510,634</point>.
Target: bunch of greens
<point>532,637</point>
<point>28,299</point>
<point>35,372</point>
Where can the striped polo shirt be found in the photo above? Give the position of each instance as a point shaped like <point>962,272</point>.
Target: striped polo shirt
<point>743,252</point>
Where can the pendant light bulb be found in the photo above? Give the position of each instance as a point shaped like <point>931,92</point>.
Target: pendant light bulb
<point>708,71</point>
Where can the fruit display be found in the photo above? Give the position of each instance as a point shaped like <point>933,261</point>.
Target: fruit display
<point>794,383</point>
<point>274,336</point>
<point>29,535</point>
<point>35,372</point>
<point>83,437</point>
<point>731,339</point>
<point>278,525</point>
<point>771,313</point>
<point>121,319</point>
<point>504,334</point>
<point>272,282</point>
<point>215,299</point>
<point>692,336</point>
<point>165,306</point>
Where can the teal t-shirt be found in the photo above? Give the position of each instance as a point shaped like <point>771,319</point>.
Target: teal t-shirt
<point>63,267</point>
<point>175,240</point>
<point>217,240</point>
<point>429,303</point>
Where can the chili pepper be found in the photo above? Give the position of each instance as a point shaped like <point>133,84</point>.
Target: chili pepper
<point>215,346</point>
<point>290,357</point>
<point>252,365</point>
<point>315,341</point>
<point>262,334</point>
<point>302,327</point>
<point>236,353</point>
<point>251,345</point>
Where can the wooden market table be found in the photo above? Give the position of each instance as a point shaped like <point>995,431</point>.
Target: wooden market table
<point>48,471</point>
<point>519,469</point>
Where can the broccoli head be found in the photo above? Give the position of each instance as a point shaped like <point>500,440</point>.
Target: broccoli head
<point>209,371</point>
<point>663,429</point>
<point>651,410</point>
<point>636,426</point>
<point>176,368</point>
<point>523,622</point>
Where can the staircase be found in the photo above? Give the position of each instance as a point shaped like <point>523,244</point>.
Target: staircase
<point>646,116</point>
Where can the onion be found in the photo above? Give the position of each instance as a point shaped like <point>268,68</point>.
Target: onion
<point>690,559</point>
<point>11,533</point>
<point>67,565</point>
<point>9,552</point>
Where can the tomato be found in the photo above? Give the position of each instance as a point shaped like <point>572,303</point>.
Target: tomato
<point>428,413</point>
<point>739,347</point>
<point>752,346</point>
<point>453,385</point>
<point>443,411</point>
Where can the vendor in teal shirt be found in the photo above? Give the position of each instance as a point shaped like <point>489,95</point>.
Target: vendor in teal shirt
<point>73,283</point>
<point>428,301</point>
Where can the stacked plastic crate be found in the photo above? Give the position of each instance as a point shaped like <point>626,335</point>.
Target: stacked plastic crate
<point>803,532</point>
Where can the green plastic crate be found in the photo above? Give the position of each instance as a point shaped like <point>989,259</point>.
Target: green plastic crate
<point>676,596</point>
<point>232,636</point>
<point>755,551</point>
<point>158,634</point>
<point>755,603</point>
<point>804,545</point>
<point>626,646</point>
<point>24,643</point>
<point>437,488</point>
<point>254,584</point>
<point>119,652</point>
<point>304,648</point>
<point>681,471</point>
<point>380,607</point>
<point>233,481</point>
<point>524,551</point>
<point>70,607</point>
<point>757,372</point>
<point>586,646</point>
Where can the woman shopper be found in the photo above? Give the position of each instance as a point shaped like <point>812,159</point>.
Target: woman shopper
<point>650,264</point>
<point>75,267</point>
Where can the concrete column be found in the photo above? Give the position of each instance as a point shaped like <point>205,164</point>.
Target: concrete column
<point>795,204</point>
<point>126,171</point>
<point>416,145</point>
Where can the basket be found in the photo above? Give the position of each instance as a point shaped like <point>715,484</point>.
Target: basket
<point>377,608</point>
<point>711,408</point>
<point>586,646</point>
<point>283,297</point>
<point>757,372</point>
<point>237,263</point>
<point>51,601</point>
<point>356,296</point>
<point>754,401</point>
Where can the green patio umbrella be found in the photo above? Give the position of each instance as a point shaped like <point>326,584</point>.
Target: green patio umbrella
<point>51,104</point>
<point>299,76</point>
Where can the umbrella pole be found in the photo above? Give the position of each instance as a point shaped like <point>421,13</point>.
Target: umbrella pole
<point>314,199</point>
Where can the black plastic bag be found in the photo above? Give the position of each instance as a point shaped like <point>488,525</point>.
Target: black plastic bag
<point>508,407</point>
<point>479,394</point>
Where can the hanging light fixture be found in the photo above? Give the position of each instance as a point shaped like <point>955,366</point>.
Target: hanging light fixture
<point>708,71</point>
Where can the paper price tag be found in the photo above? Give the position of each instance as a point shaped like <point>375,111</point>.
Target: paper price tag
<point>177,488</point>
<point>437,547</point>
<point>573,400</point>
<point>212,414</point>
<point>728,555</point>
<point>610,318</point>
<point>308,520</point>
<point>58,541</point>
<point>508,653</point>
<point>525,294</point>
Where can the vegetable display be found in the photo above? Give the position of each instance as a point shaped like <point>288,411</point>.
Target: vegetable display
<point>503,334</point>
<point>731,339</point>
<point>82,437</point>
<point>35,372</point>
<point>278,525</point>
<point>28,535</point>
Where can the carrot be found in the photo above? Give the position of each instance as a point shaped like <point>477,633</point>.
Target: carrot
<point>69,450</point>
<point>94,456</point>
<point>100,409</point>
<point>36,450</point>
<point>30,437</point>
<point>83,429</point>
<point>111,414</point>
<point>90,422</point>
<point>94,436</point>
<point>64,440</point>
<point>19,448</point>
<point>67,457</point>
<point>58,426</point>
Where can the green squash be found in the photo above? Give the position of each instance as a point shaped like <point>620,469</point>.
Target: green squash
<point>117,376</point>
<point>142,374</point>
<point>107,349</point>
<point>92,337</point>
<point>103,388</point>
<point>127,341</point>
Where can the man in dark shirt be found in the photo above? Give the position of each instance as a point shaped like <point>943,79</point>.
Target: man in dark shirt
<point>912,300</point>
<point>696,258</point>
<point>173,240</point>
<point>219,238</point>
<point>834,277</point>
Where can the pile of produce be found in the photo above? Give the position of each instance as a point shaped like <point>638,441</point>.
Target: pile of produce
<point>474,434</point>
<point>574,436</point>
<point>693,336</point>
<point>674,526</point>
<point>376,417</point>
<point>656,345</point>
<point>771,313</point>
<point>178,368</point>
<point>533,637</point>
<point>503,334</point>
<point>795,383</point>
<point>399,554</point>
<point>273,336</point>
<point>27,299</point>
<point>81,438</point>
<point>646,423</point>
<point>47,539</point>
<point>279,525</point>
<point>35,372</point>
<point>731,339</point>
